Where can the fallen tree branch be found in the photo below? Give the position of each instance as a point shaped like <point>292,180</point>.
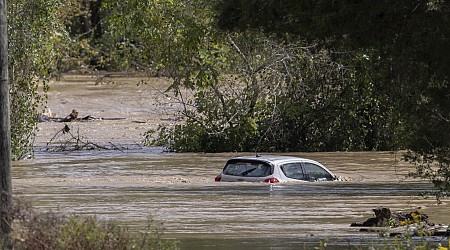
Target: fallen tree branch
<point>65,140</point>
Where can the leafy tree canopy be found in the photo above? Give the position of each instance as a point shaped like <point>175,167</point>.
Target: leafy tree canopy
<point>35,34</point>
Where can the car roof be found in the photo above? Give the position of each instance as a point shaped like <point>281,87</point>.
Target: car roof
<point>271,158</point>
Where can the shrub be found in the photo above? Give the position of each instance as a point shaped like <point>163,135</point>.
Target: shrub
<point>50,230</point>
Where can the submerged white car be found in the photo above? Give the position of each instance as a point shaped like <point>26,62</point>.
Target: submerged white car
<point>274,169</point>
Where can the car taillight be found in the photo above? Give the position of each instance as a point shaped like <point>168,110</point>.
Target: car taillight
<point>271,180</point>
<point>218,178</point>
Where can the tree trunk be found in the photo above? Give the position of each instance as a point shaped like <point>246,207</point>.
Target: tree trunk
<point>85,19</point>
<point>5,135</point>
<point>96,18</point>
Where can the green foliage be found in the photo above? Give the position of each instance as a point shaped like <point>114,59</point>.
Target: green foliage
<point>180,138</point>
<point>275,96</point>
<point>158,35</point>
<point>34,32</point>
<point>86,49</point>
<point>249,91</point>
<point>55,231</point>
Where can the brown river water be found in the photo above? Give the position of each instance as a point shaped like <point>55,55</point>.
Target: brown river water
<point>129,183</point>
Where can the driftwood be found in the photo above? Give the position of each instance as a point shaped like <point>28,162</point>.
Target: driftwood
<point>382,215</point>
<point>73,116</point>
<point>400,223</point>
<point>65,140</point>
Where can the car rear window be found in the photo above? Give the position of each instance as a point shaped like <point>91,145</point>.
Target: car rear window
<point>247,168</point>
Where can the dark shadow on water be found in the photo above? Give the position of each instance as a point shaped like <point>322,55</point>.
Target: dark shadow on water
<point>305,189</point>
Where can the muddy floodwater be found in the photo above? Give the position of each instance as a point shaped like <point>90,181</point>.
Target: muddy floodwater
<point>130,183</point>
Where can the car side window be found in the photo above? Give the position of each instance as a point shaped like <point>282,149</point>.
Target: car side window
<point>316,172</point>
<point>293,170</point>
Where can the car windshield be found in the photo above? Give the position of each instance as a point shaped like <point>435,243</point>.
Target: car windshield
<point>247,168</point>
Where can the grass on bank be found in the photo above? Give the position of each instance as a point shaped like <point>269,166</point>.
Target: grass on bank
<point>49,230</point>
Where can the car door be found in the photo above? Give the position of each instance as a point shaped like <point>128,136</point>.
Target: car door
<point>315,172</point>
<point>293,170</point>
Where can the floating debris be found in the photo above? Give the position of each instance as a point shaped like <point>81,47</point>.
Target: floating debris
<point>414,223</point>
<point>73,116</point>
